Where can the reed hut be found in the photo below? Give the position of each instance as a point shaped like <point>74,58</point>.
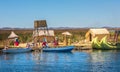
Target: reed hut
<point>11,38</point>
<point>100,33</point>
<point>12,35</point>
<point>66,41</point>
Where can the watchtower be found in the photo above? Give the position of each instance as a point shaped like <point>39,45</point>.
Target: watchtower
<point>40,25</point>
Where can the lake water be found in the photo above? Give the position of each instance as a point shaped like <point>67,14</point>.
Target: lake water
<point>75,61</point>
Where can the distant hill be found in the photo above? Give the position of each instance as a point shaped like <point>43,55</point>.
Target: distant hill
<point>9,28</point>
<point>57,28</point>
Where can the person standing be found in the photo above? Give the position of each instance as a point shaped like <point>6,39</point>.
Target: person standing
<point>56,42</point>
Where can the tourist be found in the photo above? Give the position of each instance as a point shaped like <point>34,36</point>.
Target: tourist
<point>16,42</point>
<point>6,47</point>
<point>44,43</point>
<point>27,45</point>
<point>55,42</point>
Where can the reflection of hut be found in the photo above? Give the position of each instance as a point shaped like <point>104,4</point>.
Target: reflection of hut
<point>66,41</point>
<point>100,33</point>
<point>41,34</point>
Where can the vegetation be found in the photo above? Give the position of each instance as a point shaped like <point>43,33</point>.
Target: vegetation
<point>26,35</point>
<point>77,34</point>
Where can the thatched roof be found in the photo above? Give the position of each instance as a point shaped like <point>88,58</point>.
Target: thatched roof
<point>99,31</point>
<point>67,33</point>
<point>13,35</point>
<point>40,23</point>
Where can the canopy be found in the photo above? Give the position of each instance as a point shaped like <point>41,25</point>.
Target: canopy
<point>12,35</point>
<point>67,33</point>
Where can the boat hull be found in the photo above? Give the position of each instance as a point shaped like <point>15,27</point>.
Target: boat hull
<point>103,44</point>
<point>17,50</point>
<point>60,49</point>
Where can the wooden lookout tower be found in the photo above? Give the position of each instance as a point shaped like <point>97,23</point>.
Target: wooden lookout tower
<point>41,32</point>
<point>40,25</point>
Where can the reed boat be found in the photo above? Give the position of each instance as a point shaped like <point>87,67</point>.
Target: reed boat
<point>59,49</point>
<point>103,44</point>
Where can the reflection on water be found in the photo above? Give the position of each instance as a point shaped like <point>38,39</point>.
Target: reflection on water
<point>108,61</point>
<point>76,61</point>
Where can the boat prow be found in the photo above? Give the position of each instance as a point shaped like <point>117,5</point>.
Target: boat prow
<point>16,50</point>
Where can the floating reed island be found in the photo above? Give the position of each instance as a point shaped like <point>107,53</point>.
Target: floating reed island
<point>81,38</point>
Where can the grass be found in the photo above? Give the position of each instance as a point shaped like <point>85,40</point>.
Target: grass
<point>78,34</point>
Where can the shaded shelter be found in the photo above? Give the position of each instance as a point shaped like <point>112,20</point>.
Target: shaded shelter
<point>12,38</point>
<point>67,33</point>
<point>66,41</point>
<point>100,33</point>
<point>12,35</point>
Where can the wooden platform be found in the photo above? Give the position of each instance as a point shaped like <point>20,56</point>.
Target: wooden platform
<point>82,48</point>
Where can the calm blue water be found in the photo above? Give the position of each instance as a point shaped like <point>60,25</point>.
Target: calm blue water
<point>77,61</point>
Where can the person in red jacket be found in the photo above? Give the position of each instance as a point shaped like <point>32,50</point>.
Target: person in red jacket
<point>16,43</point>
<point>44,43</point>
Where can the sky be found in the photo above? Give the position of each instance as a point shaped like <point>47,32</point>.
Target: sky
<point>60,13</point>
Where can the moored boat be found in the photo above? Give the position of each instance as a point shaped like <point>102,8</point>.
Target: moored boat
<point>16,50</point>
<point>96,43</point>
<point>59,49</point>
<point>103,44</point>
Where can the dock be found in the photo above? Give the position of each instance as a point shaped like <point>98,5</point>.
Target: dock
<point>82,48</point>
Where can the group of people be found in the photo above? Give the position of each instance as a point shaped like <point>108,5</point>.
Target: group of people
<point>45,44</point>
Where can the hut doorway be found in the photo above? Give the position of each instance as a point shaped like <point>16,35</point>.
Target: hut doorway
<point>90,37</point>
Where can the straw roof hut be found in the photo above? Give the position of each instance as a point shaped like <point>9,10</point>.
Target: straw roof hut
<point>12,35</point>
<point>11,38</point>
<point>100,33</point>
<point>66,40</point>
<point>67,33</point>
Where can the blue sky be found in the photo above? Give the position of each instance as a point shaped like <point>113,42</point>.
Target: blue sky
<point>60,13</point>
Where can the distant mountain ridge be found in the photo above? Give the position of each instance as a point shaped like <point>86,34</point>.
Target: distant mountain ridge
<point>56,28</point>
<point>9,28</point>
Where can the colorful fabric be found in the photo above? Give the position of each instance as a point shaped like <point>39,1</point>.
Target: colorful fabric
<point>16,43</point>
